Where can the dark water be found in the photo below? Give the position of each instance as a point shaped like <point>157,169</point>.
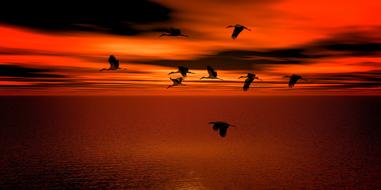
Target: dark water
<point>165,143</point>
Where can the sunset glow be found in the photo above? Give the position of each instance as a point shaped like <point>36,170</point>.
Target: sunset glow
<point>333,44</point>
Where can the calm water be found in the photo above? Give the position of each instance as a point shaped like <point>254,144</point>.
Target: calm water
<point>165,143</point>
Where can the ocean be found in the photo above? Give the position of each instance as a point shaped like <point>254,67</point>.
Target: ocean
<point>165,142</point>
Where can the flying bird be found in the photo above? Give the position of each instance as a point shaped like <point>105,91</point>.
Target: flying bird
<point>173,32</point>
<point>176,82</point>
<point>212,74</point>
<point>293,79</point>
<point>249,79</point>
<point>183,70</point>
<point>114,63</point>
<point>221,127</point>
<point>237,30</point>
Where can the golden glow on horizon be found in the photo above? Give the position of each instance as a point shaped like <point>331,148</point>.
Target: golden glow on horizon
<point>79,56</point>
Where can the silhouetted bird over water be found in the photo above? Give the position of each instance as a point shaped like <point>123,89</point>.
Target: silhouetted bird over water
<point>237,30</point>
<point>114,63</point>
<point>293,80</point>
<point>212,73</point>
<point>176,82</point>
<point>221,127</point>
<point>173,32</point>
<point>182,70</point>
<point>249,79</point>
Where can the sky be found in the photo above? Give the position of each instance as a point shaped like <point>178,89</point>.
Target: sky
<point>58,48</point>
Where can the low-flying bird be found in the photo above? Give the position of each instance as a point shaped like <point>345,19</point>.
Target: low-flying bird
<point>293,79</point>
<point>114,63</point>
<point>212,73</point>
<point>221,127</point>
<point>173,32</point>
<point>176,82</point>
<point>182,70</point>
<point>249,79</point>
<point>238,28</point>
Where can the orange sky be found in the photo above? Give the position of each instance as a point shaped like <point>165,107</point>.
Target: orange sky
<point>325,28</point>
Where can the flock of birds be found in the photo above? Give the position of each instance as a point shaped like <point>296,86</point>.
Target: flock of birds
<point>250,77</point>
<point>219,126</point>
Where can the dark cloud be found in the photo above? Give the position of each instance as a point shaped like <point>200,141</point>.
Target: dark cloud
<point>353,44</point>
<point>113,16</point>
<point>26,72</point>
<point>230,60</point>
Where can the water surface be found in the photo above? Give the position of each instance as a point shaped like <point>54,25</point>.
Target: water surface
<point>165,143</point>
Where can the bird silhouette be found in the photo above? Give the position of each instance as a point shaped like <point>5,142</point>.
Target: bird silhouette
<point>212,74</point>
<point>114,63</point>
<point>238,28</point>
<point>293,80</point>
<point>183,70</point>
<point>173,32</point>
<point>249,79</point>
<point>176,82</point>
<point>221,127</point>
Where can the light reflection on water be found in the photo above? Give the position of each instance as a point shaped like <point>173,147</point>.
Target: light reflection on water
<point>165,143</point>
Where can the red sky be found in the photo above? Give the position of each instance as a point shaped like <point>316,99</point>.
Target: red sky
<point>334,44</point>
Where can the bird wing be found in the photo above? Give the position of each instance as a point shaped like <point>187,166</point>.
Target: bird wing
<point>175,31</point>
<point>293,80</point>
<point>183,70</point>
<point>223,131</point>
<point>236,31</point>
<point>248,81</point>
<point>114,63</point>
<point>246,28</point>
<point>177,81</point>
<point>215,127</point>
<point>211,72</point>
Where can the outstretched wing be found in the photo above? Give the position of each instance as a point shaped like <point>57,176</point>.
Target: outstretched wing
<point>237,30</point>
<point>223,131</point>
<point>183,70</point>
<point>177,81</point>
<point>248,81</point>
<point>293,80</point>
<point>114,63</point>
<point>211,72</point>
<point>174,80</point>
